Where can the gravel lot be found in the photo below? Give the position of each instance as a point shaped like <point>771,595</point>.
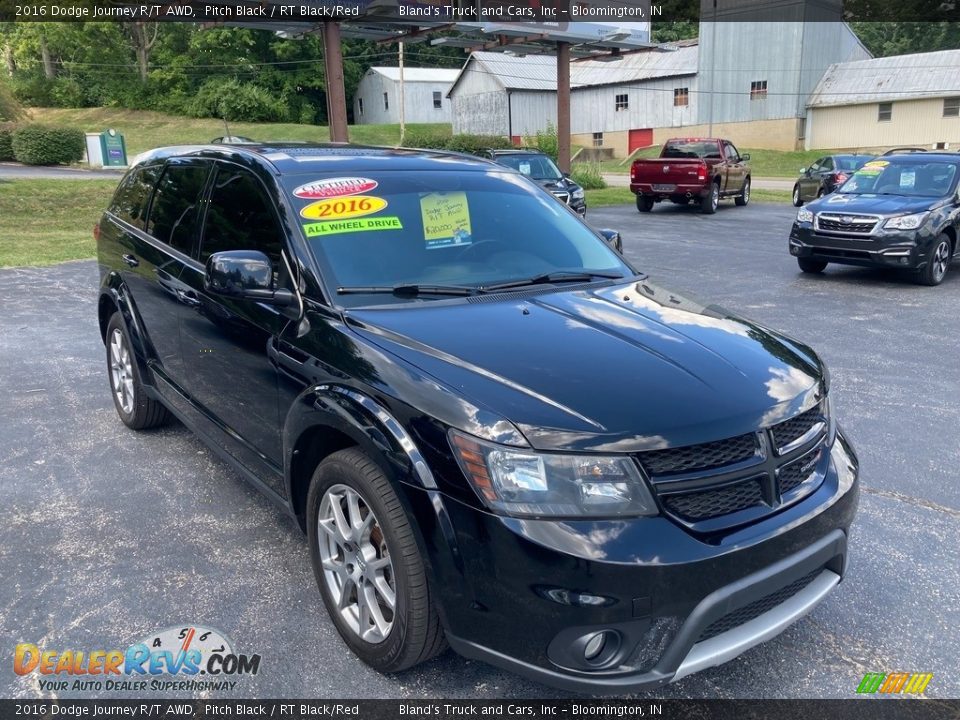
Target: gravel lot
<point>107,535</point>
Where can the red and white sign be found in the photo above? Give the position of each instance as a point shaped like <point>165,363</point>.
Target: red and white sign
<point>334,187</point>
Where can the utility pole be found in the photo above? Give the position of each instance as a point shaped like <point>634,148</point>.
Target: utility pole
<point>563,106</point>
<point>336,94</point>
<point>403,104</point>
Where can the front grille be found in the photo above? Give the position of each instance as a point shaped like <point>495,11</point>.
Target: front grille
<point>849,224</point>
<point>562,197</point>
<point>757,608</point>
<point>795,473</point>
<point>715,502</point>
<point>706,456</point>
<point>796,427</point>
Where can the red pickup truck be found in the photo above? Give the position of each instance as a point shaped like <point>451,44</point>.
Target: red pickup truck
<point>700,169</point>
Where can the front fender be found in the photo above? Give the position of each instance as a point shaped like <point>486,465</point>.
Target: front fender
<point>367,422</point>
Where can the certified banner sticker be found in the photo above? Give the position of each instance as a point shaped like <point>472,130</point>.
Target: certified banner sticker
<point>348,207</point>
<point>334,187</point>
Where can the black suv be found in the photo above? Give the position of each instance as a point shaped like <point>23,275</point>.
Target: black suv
<point>410,353</point>
<point>898,211</point>
<point>541,168</point>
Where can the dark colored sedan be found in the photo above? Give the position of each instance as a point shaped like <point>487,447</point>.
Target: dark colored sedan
<point>825,175</point>
<point>899,211</point>
<point>540,168</point>
<point>410,353</point>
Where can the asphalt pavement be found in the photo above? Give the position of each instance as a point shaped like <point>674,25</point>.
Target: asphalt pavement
<point>107,535</point>
<point>13,171</point>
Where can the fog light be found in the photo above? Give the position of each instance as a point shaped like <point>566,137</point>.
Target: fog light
<point>594,646</point>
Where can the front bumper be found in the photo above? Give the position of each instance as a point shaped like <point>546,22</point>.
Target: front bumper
<point>908,249</point>
<point>525,594</point>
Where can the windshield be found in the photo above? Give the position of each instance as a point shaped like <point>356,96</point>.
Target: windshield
<point>913,179</point>
<point>538,167</point>
<point>691,149</point>
<point>440,229</point>
<point>850,162</point>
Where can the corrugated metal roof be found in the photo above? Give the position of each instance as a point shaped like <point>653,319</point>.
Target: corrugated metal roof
<point>902,77</point>
<point>415,74</point>
<point>539,72</point>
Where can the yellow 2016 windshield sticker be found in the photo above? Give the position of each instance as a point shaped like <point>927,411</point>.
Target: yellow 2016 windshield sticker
<point>346,207</point>
<point>446,219</point>
<point>337,227</point>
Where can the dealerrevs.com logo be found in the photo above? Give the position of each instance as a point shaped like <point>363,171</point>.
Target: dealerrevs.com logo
<point>172,659</point>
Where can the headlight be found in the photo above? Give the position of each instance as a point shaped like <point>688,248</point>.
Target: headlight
<point>523,482</point>
<point>906,222</point>
<point>577,194</point>
<point>804,215</point>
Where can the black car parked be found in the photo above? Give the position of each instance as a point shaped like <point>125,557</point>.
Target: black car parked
<point>825,175</point>
<point>899,211</point>
<point>410,353</point>
<point>541,168</point>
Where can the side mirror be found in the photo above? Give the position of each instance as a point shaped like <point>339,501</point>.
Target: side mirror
<point>612,238</point>
<point>745,157</point>
<point>803,171</point>
<point>244,274</point>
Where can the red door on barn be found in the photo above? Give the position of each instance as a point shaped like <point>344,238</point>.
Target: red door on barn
<point>640,139</point>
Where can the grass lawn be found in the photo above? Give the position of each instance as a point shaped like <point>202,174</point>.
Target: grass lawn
<point>763,163</point>
<point>144,130</point>
<point>623,196</point>
<point>49,221</point>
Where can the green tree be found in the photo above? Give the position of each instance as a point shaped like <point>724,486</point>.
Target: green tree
<point>884,39</point>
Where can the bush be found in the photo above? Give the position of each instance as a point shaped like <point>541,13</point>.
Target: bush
<point>236,101</point>
<point>587,176</point>
<point>9,105</point>
<point>6,142</point>
<point>40,145</point>
<point>465,143</point>
<point>545,141</point>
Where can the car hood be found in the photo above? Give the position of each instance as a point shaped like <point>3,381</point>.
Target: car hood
<point>561,184</point>
<point>618,368</point>
<point>872,204</point>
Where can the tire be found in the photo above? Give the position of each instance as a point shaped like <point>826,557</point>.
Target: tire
<point>136,409</point>
<point>938,262</point>
<point>811,265</point>
<point>410,632</point>
<point>744,197</point>
<point>710,201</point>
<point>644,203</point>
<point>821,192</point>
<point>797,200</point>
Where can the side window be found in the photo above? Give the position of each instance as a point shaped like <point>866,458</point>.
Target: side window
<point>176,205</point>
<point>818,165</point>
<point>827,163</point>
<point>732,153</point>
<point>240,216</point>
<point>133,196</point>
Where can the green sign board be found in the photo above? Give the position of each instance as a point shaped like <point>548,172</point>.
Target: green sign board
<point>113,148</point>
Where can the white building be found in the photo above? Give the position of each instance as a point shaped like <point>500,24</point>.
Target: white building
<point>500,94</point>
<point>746,81</point>
<point>377,99</point>
<point>907,100</point>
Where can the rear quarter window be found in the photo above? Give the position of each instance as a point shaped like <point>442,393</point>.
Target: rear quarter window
<point>132,198</point>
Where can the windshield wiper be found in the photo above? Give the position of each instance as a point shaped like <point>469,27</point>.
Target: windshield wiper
<point>557,276</point>
<point>410,290</point>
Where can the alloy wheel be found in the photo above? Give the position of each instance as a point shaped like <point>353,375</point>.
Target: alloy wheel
<point>357,568</point>
<point>941,259</point>
<point>121,371</point>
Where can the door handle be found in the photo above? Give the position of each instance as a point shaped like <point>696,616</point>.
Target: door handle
<point>130,260</point>
<point>188,298</point>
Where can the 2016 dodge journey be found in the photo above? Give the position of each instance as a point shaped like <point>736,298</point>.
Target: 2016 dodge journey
<point>496,432</point>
